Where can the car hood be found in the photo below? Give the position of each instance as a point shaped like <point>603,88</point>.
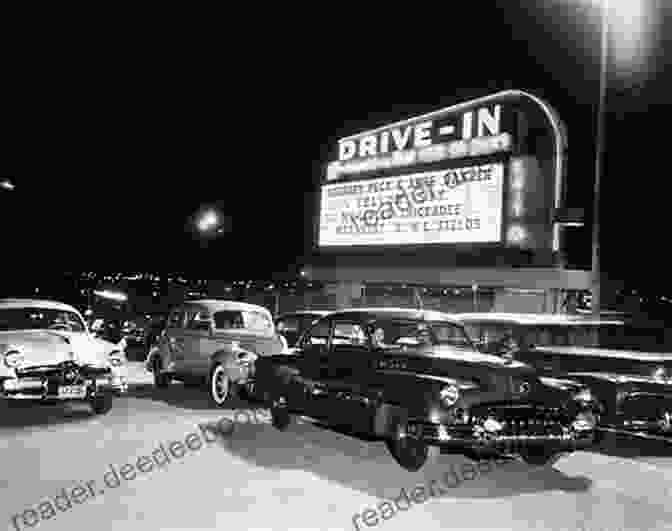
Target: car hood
<point>472,357</point>
<point>39,347</point>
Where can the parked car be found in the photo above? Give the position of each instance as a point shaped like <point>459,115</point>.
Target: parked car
<point>634,387</point>
<point>292,324</point>
<point>214,342</point>
<point>49,356</point>
<point>414,378</point>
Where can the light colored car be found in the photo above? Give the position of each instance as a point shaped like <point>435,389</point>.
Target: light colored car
<point>48,355</point>
<point>214,342</point>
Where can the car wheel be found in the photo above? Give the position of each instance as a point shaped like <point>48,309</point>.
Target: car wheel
<point>219,385</point>
<point>160,380</point>
<point>101,404</point>
<point>541,456</point>
<point>408,452</point>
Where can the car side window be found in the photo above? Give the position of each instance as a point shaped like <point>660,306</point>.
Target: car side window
<point>199,320</point>
<point>176,319</point>
<point>257,321</point>
<point>348,334</point>
<point>288,324</point>
<point>317,335</point>
<point>228,319</point>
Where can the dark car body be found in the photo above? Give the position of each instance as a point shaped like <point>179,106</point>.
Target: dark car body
<point>292,324</point>
<point>634,387</point>
<point>427,387</point>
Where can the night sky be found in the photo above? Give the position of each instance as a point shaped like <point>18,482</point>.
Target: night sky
<point>142,132</point>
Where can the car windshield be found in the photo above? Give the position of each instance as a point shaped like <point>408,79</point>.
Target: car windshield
<point>397,334</point>
<point>543,335</point>
<point>489,333</point>
<point>39,319</point>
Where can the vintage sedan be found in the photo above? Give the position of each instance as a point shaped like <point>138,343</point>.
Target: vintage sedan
<point>292,324</point>
<point>634,387</point>
<point>49,356</point>
<point>413,378</point>
<point>214,342</point>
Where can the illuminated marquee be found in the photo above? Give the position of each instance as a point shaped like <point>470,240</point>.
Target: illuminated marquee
<point>471,134</point>
<point>448,206</point>
<point>485,171</point>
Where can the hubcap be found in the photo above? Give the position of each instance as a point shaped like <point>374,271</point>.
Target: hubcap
<point>220,387</point>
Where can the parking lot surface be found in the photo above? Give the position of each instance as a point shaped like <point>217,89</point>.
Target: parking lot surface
<point>305,478</point>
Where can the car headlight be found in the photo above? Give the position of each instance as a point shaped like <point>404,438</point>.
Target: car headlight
<point>13,359</point>
<point>584,395</point>
<point>449,395</point>
<point>661,374</point>
<point>115,358</point>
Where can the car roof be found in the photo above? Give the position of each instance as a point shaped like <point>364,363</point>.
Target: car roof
<point>301,313</point>
<point>534,319</point>
<point>397,313</point>
<point>37,303</point>
<point>216,305</point>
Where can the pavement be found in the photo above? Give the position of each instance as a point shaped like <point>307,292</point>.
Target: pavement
<point>254,477</point>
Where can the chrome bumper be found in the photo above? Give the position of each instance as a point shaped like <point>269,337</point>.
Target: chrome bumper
<point>505,437</point>
<point>644,428</point>
<point>37,389</point>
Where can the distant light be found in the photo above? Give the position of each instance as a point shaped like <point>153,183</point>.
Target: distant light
<point>115,296</point>
<point>208,221</point>
<point>7,185</point>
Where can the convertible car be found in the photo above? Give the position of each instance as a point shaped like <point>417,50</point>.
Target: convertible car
<point>49,356</point>
<point>634,387</point>
<point>413,378</point>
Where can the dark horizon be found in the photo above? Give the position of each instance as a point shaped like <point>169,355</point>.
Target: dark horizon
<point>121,199</point>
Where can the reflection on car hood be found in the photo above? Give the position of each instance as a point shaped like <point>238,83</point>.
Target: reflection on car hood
<point>470,356</point>
<point>39,347</point>
<point>53,343</point>
<point>659,357</point>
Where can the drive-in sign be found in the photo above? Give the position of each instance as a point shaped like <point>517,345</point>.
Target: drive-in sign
<point>487,171</point>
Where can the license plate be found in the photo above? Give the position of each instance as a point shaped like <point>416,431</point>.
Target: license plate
<point>72,391</point>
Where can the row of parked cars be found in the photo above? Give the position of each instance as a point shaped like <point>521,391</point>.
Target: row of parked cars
<point>424,381</point>
<point>482,385</point>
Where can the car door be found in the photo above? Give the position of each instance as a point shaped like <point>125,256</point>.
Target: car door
<point>346,374</point>
<point>308,390</point>
<point>198,342</point>
<point>172,343</point>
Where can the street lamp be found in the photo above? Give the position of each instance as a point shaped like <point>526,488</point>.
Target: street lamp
<point>630,52</point>
<point>599,155</point>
